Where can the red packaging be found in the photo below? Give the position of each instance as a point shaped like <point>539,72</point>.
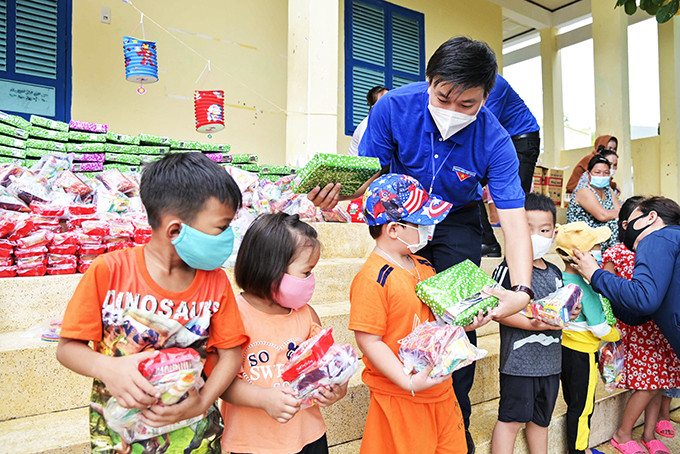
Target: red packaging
<point>121,227</point>
<point>22,228</point>
<point>63,249</point>
<point>72,184</point>
<point>75,222</point>
<point>31,262</point>
<point>37,271</point>
<point>79,209</point>
<point>62,269</point>
<point>32,252</point>
<point>6,261</point>
<point>115,181</point>
<point>83,239</point>
<point>60,259</point>
<point>142,238</point>
<point>307,354</point>
<point>92,249</point>
<point>62,239</point>
<point>6,248</point>
<point>40,238</point>
<point>7,224</point>
<point>47,209</point>
<point>8,271</point>
<point>83,266</point>
<point>355,210</point>
<point>95,228</point>
<point>118,246</point>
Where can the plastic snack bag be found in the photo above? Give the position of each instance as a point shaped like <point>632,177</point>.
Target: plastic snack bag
<point>174,372</point>
<point>612,362</point>
<point>444,347</point>
<point>36,240</point>
<point>554,309</point>
<point>307,353</point>
<point>10,202</point>
<point>70,183</point>
<point>115,181</point>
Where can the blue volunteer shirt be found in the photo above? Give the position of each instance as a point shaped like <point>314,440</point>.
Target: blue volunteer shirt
<point>510,109</point>
<point>402,134</point>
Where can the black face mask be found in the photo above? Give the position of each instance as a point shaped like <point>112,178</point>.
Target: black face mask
<point>631,234</point>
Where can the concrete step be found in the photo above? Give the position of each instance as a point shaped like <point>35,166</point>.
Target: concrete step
<point>673,444</point>
<point>344,240</point>
<point>64,432</point>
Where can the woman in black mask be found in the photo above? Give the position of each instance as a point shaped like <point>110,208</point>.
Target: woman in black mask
<point>653,232</point>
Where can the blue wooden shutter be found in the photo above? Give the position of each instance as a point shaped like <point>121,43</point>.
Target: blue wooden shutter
<point>36,38</point>
<point>3,36</point>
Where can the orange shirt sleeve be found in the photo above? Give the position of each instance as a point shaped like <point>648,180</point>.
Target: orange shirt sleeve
<point>226,326</point>
<point>368,312</point>
<point>83,316</point>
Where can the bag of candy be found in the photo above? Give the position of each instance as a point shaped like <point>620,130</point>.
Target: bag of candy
<point>36,240</point>
<point>612,362</point>
<point>8,271</point>
<point>29,188</point>
<point>444,347</point>
<point>6,248</point>
<point>174,372</point>
<point>47,209</point>
<point>554,309</point>
<point>115,181</point>
<point>307,353</point>
<point>7,223</point>
<point>10,202</point>
<point>70,183</point>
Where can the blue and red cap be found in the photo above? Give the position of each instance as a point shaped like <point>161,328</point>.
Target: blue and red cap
<point>395,197</point>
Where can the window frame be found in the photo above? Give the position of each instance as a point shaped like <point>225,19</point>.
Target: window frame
<point>389,10</point>
<point>62,83</point>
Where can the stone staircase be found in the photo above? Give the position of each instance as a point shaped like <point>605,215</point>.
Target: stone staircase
<point>44,405</point>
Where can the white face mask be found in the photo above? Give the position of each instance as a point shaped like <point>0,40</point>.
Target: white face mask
<point>423,235</point>
<point>541,245</point>
<point>450,122</point>
<point>611,173</point>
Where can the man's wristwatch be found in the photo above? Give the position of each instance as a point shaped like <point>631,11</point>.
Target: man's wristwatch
<point>525,289</point>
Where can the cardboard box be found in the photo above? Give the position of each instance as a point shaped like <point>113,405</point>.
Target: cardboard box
<point>553,180</point>
<point>539,185</point>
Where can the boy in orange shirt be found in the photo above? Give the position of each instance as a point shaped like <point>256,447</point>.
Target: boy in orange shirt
<point>407,413</point>
<point>169,293</point>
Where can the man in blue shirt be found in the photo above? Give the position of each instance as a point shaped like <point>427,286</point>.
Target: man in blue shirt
<point>440,133</point>
<point>517,119</point>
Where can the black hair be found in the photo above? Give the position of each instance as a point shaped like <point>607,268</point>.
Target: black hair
<point>540,202</point>
<point>605,153</point>
<point>624,213</point>
<point>465,63</point>
<point>614,139</point>
<point>271,243</point>
<point>598,159</point>
<point>373,93</point>
<point>181,183</point>
<point>375,231</point>
<point>668,210</point>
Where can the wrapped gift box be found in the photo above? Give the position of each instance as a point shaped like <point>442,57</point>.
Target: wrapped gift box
<point>50,134</point>
<point>88,167</point>
<point>88,126</point>
<point>15,120</point>
<point>351,171</point>
<point>121,167</point>
<point>215,147</point>
<point>185,144</point>
<point>89,157</point>
<point>12,142</point>
<point>154,140</point>
<point>122,138</point>
<point>454,294</point>
<point>244,158</point>
<point>46,145</point>
<point>12,152</point>
<point>123,158</point>
<point>49,124</point>
<point>13,132</point>
<point>80,136</point>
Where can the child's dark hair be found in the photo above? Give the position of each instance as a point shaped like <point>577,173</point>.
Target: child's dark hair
<point>624,213</point>
<point>181,183</point>
<point>540,202</point>
<point>271,243</point>
<point>667,209</point>
<point>598,159</point>
<point>373,93</point>
<point>465,63</point>
<point>375,231</point>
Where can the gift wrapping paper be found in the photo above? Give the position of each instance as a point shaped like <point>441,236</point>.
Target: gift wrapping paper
<point>185,144</point>
<point>87,126</point>
<point>49,124</point>
<point>89,157</point>
<point>121,167</point>
<point>608,313</point>
<point>351,171</point>
<point>12,152</point>
<point>244,158</point>
<point>12,142</point>
<point>15,120</point>
<point>216,147</point>
<point>444,291</point>
<point>13,161</point>
<point>13,132</point>
<point>80,136</point>
<point>41,133</point>
<point>122,138</point>
<point>155,140</point>
<point>46,145</point>
<point>37,152</point>
<point>248,167</point>
<point>123,158</point>
<point>88,167</point>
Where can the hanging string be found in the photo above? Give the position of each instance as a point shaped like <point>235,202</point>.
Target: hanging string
<point>227,73</point>
<point>141,22</point>
<point>210,74</point>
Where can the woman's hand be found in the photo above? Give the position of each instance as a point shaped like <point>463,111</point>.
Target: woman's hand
<point>585,264</point>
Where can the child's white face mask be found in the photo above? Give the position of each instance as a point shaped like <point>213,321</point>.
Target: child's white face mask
<point>423,235</point>
<point>541,245</point>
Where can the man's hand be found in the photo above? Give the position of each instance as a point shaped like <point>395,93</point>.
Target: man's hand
<point>585,264</point>
<point>327,396</point>
<point>160,415</point>
<point>509,302</point>
<point>479,321</point>
<point>327,197</point>
<point>124,381</point>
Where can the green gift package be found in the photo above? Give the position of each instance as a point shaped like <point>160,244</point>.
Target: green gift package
<point>41,133</point>
<point>12,152</point>
<point>122,138</point>
<point>46,145</point>
<point>13,132</point>
<point>49,124</point>
<point>454,294</point>
<point>80,136</point>
<point>351,171</point>
<point>15,120</point>
<point>154,140</point>
<point>216,147</point>
<point>12,142</point>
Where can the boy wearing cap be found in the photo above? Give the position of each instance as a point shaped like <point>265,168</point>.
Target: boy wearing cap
<point>407,413</point>
<point>581,338</point>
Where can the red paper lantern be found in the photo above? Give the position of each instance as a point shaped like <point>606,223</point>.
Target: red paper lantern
<point>209,107</point>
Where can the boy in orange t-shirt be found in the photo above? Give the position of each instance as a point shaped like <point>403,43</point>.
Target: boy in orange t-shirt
<point>169,293</point>
<point>407,413</point>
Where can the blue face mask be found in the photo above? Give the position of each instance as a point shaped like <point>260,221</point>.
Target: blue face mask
<point>599,182</point>
<point>202,251</point>
<point>597,254</point>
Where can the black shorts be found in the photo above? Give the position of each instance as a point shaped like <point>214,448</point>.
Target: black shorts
<point>528,399</point>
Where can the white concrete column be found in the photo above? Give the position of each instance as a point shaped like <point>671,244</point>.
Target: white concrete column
<point>312,104</point>
<point>612,105</point>
<point>669,87</point>
<point>553,110</point>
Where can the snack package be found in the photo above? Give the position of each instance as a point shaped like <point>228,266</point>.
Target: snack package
<point>114,180</point>
<point>92,249</point>
<point>174,371</point>
<point>8,271</point>
<point>26,253</point>
<point>7,223</point>
<point>66,268</point>
<point>95,228</point>
<point>10,202</point>
<point>36,240</point>
<point>335,367</point>
<point>455,294</point>
<point>307,353</point>
<point>39,270</point>
<point>87,126</point>
<point>77,209</point>
<point>612,362</point>
<point>47,209</point>
<point>444,347</point>
<point>29,187</point>
<point>61,259</point>
<point>6,248</point>
<point>337,214</point>
<point>70,183</point>
<point>23,226</point>
<point>554,309</point>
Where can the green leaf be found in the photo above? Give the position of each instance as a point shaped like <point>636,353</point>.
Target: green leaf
<point>658,2</point>
<point>621,2</point>
<point>652,9</point>
<point>630,7</point>
<point>644,4</point>
<point>667,11</point>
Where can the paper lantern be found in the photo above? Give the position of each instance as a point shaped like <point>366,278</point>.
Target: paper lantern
<point>209,108</point>
<point>141,60</point>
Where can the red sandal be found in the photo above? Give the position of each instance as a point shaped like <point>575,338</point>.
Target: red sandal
<point>629,447</point>
<point>665,428</point>
<point>655,446</point>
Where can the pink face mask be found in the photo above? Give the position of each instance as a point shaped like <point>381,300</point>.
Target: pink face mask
<point>295,292</point>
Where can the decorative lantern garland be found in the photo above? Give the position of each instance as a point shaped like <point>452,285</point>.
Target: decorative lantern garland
<point>209,109</point>
<point>141,59</point>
